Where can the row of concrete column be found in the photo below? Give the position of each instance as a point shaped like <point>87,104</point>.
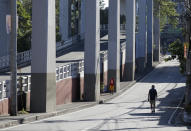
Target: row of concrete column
<point>43,92</point>
<point>144,44</point>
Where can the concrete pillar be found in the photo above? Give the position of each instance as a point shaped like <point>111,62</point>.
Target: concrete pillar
<point>64,19</point>
<point>141,45</point>
<point>114,43</point>
<point>149,33</point>
<point>82,21</point>
<point>123,57</point>
<point>156,54</point>
<point>43,81</point>
<point>129,73</point>
<point>92,49</point>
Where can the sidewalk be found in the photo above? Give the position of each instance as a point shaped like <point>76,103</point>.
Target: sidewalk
<point>8,121</point>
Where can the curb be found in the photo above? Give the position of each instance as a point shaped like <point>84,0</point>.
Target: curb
<point>9,123</point>
<point>42,116</point>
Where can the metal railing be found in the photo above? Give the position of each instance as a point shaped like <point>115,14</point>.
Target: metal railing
<point>26,56</point>
<point>4,62</point>
<point>4,89</point>
<point>23,84</point>
<point>69,70</point>
<point>64,44</point>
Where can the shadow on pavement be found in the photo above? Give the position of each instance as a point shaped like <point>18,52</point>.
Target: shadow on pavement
<point>165,108</point>
<point>161,72</point>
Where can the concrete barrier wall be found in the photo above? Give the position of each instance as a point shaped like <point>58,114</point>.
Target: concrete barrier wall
<point>4,106</point>
<point>68,90</point>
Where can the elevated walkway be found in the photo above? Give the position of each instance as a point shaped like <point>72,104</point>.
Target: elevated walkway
<point>71,54</point>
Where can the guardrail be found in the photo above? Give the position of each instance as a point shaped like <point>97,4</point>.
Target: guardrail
<point>63,44</point>
<point>69,70</point>
<point>4,89</point>
<point>26,56</point>
<point>4,62</point>
<point>23,84</point>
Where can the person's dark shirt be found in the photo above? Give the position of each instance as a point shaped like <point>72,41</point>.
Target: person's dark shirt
<point>152,94</point>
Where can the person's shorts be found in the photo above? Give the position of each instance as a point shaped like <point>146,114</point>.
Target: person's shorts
<point>152,101</point>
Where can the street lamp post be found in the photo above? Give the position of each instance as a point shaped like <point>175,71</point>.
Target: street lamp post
<point>13,58</point>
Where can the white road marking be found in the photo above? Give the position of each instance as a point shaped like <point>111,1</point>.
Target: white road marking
<point>171,117</point>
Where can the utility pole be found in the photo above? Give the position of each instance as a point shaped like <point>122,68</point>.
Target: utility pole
<point>13,58</point>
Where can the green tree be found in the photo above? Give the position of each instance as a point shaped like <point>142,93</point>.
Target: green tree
<point>177,49</point>
<point>24,11</point>
<point>168,13</point>
<point>58,37</point>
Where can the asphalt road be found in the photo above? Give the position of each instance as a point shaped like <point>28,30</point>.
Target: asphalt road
<point>129,111</point>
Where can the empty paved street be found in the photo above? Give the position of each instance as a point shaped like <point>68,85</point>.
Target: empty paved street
<point>129,111</point>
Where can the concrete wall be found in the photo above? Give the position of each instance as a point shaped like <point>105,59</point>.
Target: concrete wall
<point>67,91</point>
<point>4,10</point>
<point>4,106</point>
<point>70,89</point>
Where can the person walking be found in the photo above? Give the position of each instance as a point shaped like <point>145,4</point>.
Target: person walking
<point>111,86</point>
<point>152,95</point>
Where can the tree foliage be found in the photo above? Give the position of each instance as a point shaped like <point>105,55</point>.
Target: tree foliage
<point>58,37</point>
<point>24,11</point>
<point>168,13</point>
<point>177,49</point>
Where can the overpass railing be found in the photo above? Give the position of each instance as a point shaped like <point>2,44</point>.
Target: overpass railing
<point>26,56</point>
<point>63,44</point>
